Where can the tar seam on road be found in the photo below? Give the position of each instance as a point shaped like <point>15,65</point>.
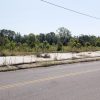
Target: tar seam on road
<point>46,79</point>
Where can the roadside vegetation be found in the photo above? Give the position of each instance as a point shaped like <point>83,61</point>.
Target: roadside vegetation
<point>12,43</point>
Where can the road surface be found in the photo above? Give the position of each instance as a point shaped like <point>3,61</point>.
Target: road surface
<point>79,81</point>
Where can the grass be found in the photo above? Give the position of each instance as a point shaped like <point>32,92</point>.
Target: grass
<point>16,51</point>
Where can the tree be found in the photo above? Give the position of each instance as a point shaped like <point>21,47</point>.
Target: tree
<point>18,38</point>
<point>31,40</point>
<point>51,38</point>
<point>74,43</point>
<point>41,37</point>
<point>45,45</point>
<point>59,46</point>
<point>12,45</point>
<point>64,34</point>
<point>98,42</point>
<point>87,44</point>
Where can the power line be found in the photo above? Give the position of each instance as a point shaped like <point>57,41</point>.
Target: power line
<point>71,10</point>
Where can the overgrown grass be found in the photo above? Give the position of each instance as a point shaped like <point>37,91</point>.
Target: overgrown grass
<point>81,49</point>
<point>52,49</point>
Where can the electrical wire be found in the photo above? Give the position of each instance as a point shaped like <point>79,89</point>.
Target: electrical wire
<point>71,10</point>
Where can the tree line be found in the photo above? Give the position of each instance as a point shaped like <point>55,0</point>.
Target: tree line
<point>12,41</point>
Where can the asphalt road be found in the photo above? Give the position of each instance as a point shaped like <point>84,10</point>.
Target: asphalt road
<point>79,81</point>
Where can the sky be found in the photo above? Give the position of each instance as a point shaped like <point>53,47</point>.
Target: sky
<point>35,16</point>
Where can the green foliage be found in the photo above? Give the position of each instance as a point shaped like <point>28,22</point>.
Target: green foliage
<point>98,42</point>
<point>12,42</point>
<point>59,46</point>
<point>87,44</point>
<point>74,42</point>
<point>64,35</point>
